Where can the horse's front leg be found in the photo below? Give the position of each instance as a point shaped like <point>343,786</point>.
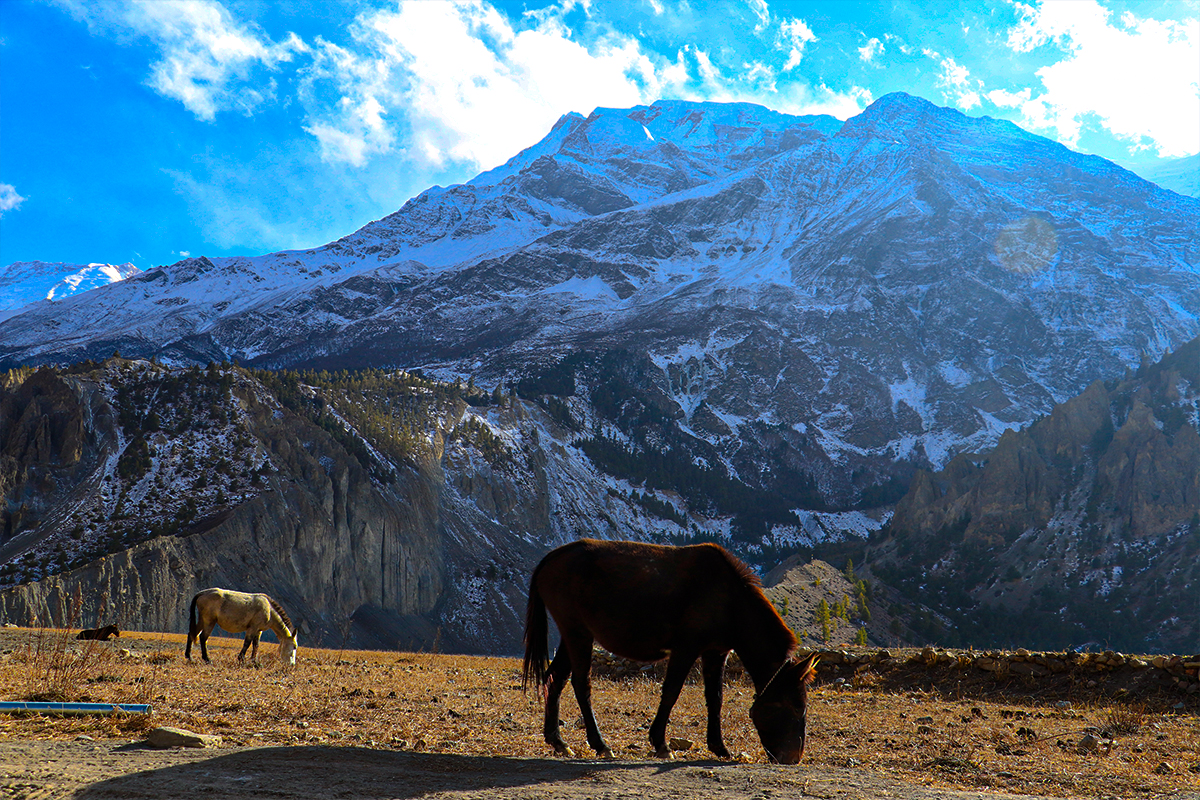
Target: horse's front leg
<point>254,648</point>
<point>560,670</point>
<point>677,671</point>
<point>713,664</point>
<point>245,647</point>
<point>580,651</point>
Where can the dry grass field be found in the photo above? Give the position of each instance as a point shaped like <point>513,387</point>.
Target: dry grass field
<point>474,707</point>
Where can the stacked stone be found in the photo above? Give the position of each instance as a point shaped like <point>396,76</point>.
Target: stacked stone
<point>1180,672</point>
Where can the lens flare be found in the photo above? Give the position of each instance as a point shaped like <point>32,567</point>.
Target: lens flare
<point>1026,246</point>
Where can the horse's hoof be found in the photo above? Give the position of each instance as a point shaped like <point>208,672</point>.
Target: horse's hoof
<point>563,751</point>
<point>665,754</point>
<point>606,754</point>
<point>721,752</point>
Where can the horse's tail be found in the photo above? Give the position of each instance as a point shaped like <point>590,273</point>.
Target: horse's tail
<point>193,626</point>
<point>537,649</point>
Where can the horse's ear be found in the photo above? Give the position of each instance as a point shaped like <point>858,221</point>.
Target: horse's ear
<point>808,669</point>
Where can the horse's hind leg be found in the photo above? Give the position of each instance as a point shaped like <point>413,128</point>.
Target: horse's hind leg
<point>205,632</point>
<point>713,663</point>
<point>678,668</point>
<point>580,650</point>
<point>560,670</point>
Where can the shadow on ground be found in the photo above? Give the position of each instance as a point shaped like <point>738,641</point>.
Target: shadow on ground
<point>328,772</point>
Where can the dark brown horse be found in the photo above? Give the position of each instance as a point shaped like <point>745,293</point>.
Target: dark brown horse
<point>648,602</point>
<point>101,634</point>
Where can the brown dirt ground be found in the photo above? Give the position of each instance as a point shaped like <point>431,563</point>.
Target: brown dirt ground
<point>385,724</point>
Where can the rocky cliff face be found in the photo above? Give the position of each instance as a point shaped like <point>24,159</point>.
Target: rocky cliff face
<point>1084,526</point>
<point>273,503</point>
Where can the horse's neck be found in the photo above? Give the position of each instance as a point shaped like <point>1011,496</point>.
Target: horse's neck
<point>280,628</point>
<point>765,641</point>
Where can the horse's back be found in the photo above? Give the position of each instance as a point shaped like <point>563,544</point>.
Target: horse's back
<point>234,611</point>
<point>640,600</point>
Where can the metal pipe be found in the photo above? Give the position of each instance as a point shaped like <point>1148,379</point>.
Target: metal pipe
<point>74,708</point>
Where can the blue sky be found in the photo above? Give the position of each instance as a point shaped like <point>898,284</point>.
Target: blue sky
<point>148,131</point>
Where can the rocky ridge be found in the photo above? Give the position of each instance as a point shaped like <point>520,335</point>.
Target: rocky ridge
<point>1084,526</point>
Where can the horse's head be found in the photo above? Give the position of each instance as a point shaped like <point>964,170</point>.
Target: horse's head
<point>288,648</point>
<point>780,712</point>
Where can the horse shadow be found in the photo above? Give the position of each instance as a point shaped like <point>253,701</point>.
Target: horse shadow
<point>366,774</point>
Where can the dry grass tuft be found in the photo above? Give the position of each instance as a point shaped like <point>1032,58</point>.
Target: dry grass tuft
<point>56,670</point>
<point>1124,720</point>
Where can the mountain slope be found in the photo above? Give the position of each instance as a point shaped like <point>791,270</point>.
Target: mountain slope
<point>1084,526</point>
<point>804,305</point>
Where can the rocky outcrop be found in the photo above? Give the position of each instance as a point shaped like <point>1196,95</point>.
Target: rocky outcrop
<point>1091,513</point>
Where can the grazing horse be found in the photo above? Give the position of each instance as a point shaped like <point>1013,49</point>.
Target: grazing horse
<point>648,602</point>
<point>101,634</point>
<point>239,612</point>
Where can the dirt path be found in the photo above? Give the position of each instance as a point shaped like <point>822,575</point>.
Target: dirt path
<point>93,770</point>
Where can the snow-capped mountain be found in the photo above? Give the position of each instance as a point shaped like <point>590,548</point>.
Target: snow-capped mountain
<point>25,282</point>
<point>787,301</point>
<point>1180,175</point>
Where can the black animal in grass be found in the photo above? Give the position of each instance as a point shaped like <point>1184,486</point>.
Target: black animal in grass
<point>649,602</point>
<point>99,634</point>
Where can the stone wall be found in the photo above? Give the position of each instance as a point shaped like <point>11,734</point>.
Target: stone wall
<point>1169,678</point>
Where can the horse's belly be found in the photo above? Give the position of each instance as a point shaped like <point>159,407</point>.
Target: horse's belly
<point>638,654</point>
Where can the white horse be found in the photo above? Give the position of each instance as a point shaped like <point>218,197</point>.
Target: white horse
<point>239,612</point>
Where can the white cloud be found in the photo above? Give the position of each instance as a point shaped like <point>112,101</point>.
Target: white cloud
<point>470,86</point>
<point>758,83</point>
<point>9,199</point>
<point>1138,77</point>
<point>900,44</point>
<point>868,51</point>
<point>795,34</point>
<point>820,99</point>
<point>763,12</point>
<point>955,79</point>
<point>207,59</point>
<point>350,124</point>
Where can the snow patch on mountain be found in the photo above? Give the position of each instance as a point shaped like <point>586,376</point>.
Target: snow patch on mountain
<point>1180,175</point>
<point>25,282</point>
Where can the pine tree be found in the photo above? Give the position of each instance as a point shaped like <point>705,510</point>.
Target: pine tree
<point>823,618</point>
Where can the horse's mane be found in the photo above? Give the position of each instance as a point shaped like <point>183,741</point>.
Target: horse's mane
<point>283,614</point>
<point>740,569</point>
<point>787,639</point>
